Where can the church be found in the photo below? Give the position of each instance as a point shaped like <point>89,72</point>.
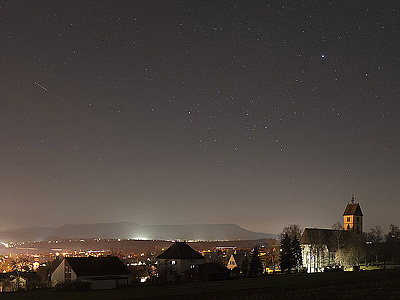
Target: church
<point>319,246</point>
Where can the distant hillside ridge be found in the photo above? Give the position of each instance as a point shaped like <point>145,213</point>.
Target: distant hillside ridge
<point>131,230</point>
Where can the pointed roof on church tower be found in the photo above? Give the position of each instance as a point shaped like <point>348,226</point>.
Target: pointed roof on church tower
<point>353,209</point>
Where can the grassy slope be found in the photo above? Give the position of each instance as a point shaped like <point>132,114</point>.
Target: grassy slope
<point>348,285</point>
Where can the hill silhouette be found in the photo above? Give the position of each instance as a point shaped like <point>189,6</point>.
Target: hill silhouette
<point>131,230</point>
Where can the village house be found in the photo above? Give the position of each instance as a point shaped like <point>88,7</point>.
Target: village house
<point>11,282</point>
<point>177,259</point>
<point>236,259</point>
<point>98,272</point>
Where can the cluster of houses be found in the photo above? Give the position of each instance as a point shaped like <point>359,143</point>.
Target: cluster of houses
<point>180,262</point>
<point>14,281</point>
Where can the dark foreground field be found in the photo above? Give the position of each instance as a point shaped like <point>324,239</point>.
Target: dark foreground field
<point>384,284</point>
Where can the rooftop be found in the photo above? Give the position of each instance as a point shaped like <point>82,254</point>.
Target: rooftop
<point>180,250</point>
<point>353,209</point>
<point>97,266</point>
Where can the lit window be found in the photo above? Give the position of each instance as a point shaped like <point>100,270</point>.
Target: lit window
<point>173,262</point>
<point>67,273</point>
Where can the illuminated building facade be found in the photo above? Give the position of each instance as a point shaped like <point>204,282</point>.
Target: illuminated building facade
<point>320,246</point>
<point>353,217</point>
<point>177,259</point>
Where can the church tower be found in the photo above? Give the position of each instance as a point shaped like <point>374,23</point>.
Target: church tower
<point>353,217</point>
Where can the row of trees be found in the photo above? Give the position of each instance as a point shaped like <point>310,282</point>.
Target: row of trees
<point>287,253</point>
<point>383,248</point>
<point>372,248</point>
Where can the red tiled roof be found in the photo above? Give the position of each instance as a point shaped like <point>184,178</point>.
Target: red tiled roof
<point>353,209</point>
<point>180,250</point>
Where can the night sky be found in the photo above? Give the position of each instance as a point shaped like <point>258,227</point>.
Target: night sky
<point>259,113</point>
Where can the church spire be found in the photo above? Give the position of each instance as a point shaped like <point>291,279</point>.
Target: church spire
<point>353,217</point>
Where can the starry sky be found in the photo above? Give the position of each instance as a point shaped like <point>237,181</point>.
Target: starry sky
<point>258,113</point>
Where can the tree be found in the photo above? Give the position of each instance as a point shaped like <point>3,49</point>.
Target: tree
<point>164,271</point>
<point>272,253</point>
<point>286,259</point>
<point>374,240</point>
<point>337,235</point>
<point>292,230</point>
<point>318,251</point>
<point>245,266</point>
<point>376,234</point>
<point>392,240</point>
<point>350,256</point>
<point>19,265</point>
<point>297,259</point>
<point>393,230</point>
<point>337,226</point>
<point>353,253</point>
<point>256,268</point>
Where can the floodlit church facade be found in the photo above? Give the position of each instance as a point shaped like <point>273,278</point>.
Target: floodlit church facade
<point>319,246</point>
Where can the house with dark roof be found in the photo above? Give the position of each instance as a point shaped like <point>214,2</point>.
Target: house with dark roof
<point>177,259</point>
<point>15,281</point>
<point>236,259</point>
<point>98,272</point>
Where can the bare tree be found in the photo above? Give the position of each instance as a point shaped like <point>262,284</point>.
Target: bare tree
<point>353,253</point>
<point>337,235</point>
<point>316,255</point>
<point>18,265</point>
<point>337,226</point>
<point>272,253</point>
<point>320,250</point>
<point>375,237</point>
<point>376,234</point>
<point>292,230</point>
<point>392,240</point>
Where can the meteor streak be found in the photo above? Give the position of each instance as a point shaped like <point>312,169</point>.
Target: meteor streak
<point>41,86</point>
<point>60,98</point>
